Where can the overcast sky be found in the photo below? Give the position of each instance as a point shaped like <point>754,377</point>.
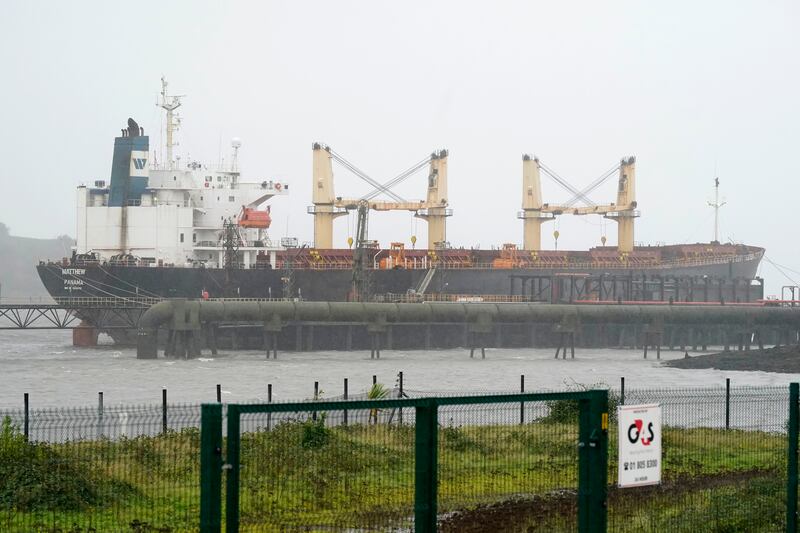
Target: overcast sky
<point>689,88</point>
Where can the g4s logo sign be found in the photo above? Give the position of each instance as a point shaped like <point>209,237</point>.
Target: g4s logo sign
<point>635,433</point>
<point>640,444</point>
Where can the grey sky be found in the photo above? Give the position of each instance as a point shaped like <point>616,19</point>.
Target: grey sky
<point>684,86</point>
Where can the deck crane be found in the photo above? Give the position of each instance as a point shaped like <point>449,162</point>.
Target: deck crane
<point>327,206</point>
<point>535,212</point>
<point>363,248</point>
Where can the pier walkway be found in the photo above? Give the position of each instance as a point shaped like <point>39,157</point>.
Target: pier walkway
<point>68,313</point>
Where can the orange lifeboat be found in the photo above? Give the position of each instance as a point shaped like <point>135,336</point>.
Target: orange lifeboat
<point>253,218</point>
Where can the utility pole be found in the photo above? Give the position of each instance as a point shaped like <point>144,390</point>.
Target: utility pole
<point>716,205</point>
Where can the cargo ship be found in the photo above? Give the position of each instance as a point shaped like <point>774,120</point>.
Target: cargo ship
<point>174,229</point>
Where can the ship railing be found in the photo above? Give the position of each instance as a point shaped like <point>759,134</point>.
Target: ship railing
<point>253,299</point>
<point>107,301</point>
<point>453,298</point>
<point>30,300</point>
<point>551,264</point>
<point>73,302</point>
<point>541,262</point>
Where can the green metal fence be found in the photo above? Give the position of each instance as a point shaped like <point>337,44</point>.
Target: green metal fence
<point>356,466</point>
<point>730,463</point>
<point>117,468</point>
<point>724,462</point>
<point>792,458</point>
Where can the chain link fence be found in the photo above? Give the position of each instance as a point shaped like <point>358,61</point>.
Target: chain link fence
<point>513,464</point>
<point>723,466</point>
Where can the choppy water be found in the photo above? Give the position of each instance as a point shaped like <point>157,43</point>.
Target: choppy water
<point>46,365</point>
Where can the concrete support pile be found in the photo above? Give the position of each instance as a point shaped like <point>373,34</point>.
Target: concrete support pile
<point>476,322</point>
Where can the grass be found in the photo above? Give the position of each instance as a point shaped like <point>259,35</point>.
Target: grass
<point>307,476</point>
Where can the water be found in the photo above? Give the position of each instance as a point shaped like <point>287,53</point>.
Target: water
<point>46,365</point>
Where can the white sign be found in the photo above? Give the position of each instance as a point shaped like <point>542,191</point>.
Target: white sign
<point>639,445</point>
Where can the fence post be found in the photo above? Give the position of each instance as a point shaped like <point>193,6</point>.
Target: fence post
<point>522,404</point>
<point>211,468</point>
<point>316,397</point>
<point>792,470</point>
<point>219,393</point>
<point>593,462</point>
<point>344,414</point>
<point>232,461</point>
<point>400,395</point>
<point>269,400</point>
<point>622,390</point>
<point>727,403</point>
<point>164,411</point>
<point>426,466</point>
<point>26,427</point>
<point>100,428</point>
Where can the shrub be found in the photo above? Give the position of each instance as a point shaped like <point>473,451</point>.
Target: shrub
<point>567,411</point>
<point>453,437</point>
<point>315,434</point>
<point>37,477</point>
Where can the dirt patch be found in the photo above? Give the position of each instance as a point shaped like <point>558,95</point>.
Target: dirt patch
<point>536,513</point>
<point>511,515</point>
<point>783,359</point>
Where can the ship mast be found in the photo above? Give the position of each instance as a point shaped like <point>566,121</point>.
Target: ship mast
<point>170,104</point>
<point>716,205</point>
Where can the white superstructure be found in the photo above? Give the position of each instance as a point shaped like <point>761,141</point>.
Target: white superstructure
<point>176,215</point>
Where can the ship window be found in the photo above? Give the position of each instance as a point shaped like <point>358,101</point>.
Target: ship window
<point>231,198</point>
<point>201,198</point>
<point>194,237</point>
<point>219,178</point>
<point>181,237</point>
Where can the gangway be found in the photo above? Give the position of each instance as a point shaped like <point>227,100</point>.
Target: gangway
<point>426,281</point>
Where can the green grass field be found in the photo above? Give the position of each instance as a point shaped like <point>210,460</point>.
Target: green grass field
<point>304,476</point>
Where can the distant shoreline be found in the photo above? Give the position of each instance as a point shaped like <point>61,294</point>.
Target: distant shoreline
<point>780,359</point>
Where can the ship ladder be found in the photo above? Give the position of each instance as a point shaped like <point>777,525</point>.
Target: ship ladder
<point>423,285</point>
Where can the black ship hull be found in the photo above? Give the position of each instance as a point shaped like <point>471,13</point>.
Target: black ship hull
<point>104,280</point>
<point>730,281</point>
